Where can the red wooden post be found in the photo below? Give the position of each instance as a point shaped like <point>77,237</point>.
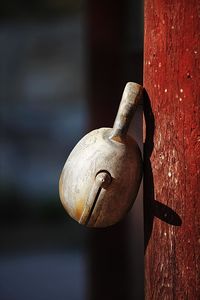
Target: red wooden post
<point>172,149</point>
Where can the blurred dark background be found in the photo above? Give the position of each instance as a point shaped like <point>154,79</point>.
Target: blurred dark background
<point>63,67</point>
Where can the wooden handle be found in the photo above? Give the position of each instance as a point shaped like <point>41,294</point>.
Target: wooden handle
<point>131,97</point>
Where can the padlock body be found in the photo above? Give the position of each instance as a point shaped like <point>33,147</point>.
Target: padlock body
<point>97,152</point>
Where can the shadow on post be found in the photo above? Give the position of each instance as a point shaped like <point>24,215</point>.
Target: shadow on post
<point>152,207</point>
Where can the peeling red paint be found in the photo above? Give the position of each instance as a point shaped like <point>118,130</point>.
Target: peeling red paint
<point>171,79</point>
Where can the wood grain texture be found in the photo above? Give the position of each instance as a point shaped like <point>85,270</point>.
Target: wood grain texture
<point>96,152</point>
<point>172,149</point>
<point>104,155</point>
<point>131,98</point>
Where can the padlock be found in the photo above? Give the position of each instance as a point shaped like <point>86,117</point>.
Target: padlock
<point>101,177</point>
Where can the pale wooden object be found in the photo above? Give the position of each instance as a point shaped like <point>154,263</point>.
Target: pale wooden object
<point>101,177</point>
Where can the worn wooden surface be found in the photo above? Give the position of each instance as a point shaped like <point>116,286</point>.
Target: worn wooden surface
<point>172,149</point>
<point>108,151</point>
<point>131,98</point>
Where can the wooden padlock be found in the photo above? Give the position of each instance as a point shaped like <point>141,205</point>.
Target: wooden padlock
<point>102,175</point>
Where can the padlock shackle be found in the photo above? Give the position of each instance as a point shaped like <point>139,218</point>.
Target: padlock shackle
<point>102,180</point>
<point>131,97</point>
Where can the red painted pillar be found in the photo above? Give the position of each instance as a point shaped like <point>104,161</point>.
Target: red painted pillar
<point>172,149</point>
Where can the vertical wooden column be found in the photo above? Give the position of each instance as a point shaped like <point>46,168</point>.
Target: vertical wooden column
<point>172,149</point>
